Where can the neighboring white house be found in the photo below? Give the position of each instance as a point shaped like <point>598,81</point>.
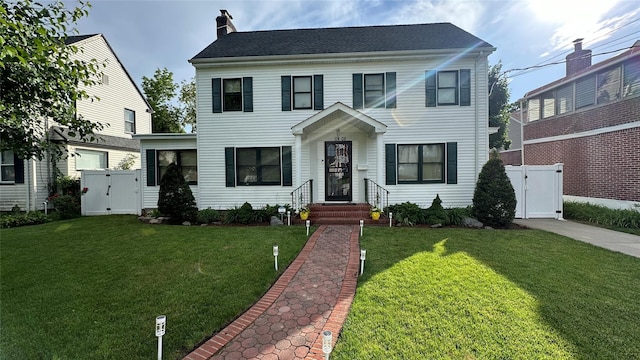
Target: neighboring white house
<point>121,107</point>
<point>404,106</point>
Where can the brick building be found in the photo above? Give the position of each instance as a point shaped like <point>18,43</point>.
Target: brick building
<point>590,121</point>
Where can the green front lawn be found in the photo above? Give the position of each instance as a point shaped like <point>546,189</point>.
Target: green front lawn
<point>91,288</point>
<point>491,294</point>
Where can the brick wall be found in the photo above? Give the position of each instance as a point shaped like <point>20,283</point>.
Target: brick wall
<point>511,157</point>
<point>602,166</point>
<point>617,113</point>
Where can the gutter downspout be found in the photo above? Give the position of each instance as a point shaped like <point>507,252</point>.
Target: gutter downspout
<point>521,134</point>
<point>27,181</point>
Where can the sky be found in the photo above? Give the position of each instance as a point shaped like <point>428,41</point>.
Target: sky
<point>151,34</point>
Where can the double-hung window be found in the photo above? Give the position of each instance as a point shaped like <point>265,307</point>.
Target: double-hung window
<point>451,87</point>
<point>422,163</point>
<point>302,92</point>
<point>233,94</point>
<point>7,167</point>
<point>374,90</point>
<point>258,166</point>
<point>129,121</point>
<point>187,161</point>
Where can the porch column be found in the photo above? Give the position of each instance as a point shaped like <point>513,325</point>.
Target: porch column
<point>379,158</point>
<point>298,152</point>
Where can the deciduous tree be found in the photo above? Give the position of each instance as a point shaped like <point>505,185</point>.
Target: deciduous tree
<point>41,79</point>
<point>499,108</point>
<point>160,91</point>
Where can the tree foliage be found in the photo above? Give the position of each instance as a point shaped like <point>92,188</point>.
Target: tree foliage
<point>499,108</point>
<point>188,102</point>
<point>494,200</point>
<point>41,77</point>
<point>160,91</point>
<point>175,198</point>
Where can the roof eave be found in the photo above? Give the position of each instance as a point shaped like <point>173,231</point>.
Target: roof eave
<point>354,56</point>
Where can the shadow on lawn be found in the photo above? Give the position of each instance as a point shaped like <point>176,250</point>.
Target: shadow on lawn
<point>588,294</point>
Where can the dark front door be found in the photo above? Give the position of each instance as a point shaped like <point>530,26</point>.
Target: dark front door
<point>337,165</point>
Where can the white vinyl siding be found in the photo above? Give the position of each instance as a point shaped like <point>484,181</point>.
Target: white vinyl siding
<point>269,126</point>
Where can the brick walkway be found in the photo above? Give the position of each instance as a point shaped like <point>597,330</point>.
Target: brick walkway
<point>313,295</point>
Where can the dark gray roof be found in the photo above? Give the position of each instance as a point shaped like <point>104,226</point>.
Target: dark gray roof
<point>75,38</point>
<point>57,133</point>
<point>341,40</point>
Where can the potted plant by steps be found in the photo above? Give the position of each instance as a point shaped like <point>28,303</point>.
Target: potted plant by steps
<point>304,213</point>
<point>375,213</point>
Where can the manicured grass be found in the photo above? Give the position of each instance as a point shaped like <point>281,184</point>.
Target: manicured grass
<point>90,288</point>
<point>491,294</point>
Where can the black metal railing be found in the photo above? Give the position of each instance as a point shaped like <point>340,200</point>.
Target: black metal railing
<point>376,195</point>
<point>302,196</point>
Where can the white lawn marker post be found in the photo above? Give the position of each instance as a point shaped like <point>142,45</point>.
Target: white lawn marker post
<point>327,339</point>
<point>275,255</point>
<point>363,256</point>
<point>281,211</point>
<point>288,218</point>
<point>361,227</point>
<point>390,219</point>
<point>308,226</point>
<point>46,207</point>
<point>161,323</point>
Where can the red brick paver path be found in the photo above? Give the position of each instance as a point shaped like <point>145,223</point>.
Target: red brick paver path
<point>313,295</point>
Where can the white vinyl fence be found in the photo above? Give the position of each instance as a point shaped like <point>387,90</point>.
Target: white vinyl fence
<point>110,192</point>
<point>538,190</point>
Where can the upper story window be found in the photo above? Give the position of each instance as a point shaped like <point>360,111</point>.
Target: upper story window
<point>234,94</point>
<point>302,92</point>
<point>7,167</point>
<point>91,160</point>
<point>602,87</point>
<point>187,161</point>
<point>129,121</point>
<point>374,90</point>
<point>451,87</point>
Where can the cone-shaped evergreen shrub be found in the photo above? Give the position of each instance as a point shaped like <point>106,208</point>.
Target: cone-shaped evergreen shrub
<point>435,213</point>
<point>494,200</point>
<point>175,198</point>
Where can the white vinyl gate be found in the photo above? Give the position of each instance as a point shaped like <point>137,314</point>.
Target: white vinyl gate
<point>110,192</point>
<point>538,190</point>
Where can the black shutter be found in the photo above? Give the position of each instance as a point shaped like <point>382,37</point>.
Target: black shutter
<point>18,167</point>
<point>286,93</point>
<point>465,87</point>
<point>247,94</point>
<point>357,91</point>
<point>229,167</point>
<point>216,94</point>
<point>151,167</point>
<point>430,88</point>
<point>391,90</point>
<point>287,173</point>
<point>452,163</point>
<point>318,92</point>
<point>390,161</point>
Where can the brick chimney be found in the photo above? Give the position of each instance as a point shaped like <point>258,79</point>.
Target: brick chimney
<point>579,59</point>
<point>224,25</point>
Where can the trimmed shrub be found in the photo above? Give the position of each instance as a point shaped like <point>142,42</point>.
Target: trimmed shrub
<point>246,215</point>
<point>435,214</point>
<point>407,213</point>
<point>175,198</point>
<point>15,220</point>
<point>67,206</point>
<point>208,216</point>
<point>455,215</point>
<point>494,200</point>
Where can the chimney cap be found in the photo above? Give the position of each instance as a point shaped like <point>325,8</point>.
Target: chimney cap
<point>224,12</point>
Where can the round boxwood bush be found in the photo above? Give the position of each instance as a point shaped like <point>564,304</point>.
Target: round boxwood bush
<point>175,198</point>
<point>494,200</point>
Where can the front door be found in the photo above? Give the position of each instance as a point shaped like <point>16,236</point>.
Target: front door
<point>337,160</point>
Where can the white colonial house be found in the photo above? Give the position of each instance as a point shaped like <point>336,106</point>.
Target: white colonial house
<point>120,106</point>
<point>376,114</point>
